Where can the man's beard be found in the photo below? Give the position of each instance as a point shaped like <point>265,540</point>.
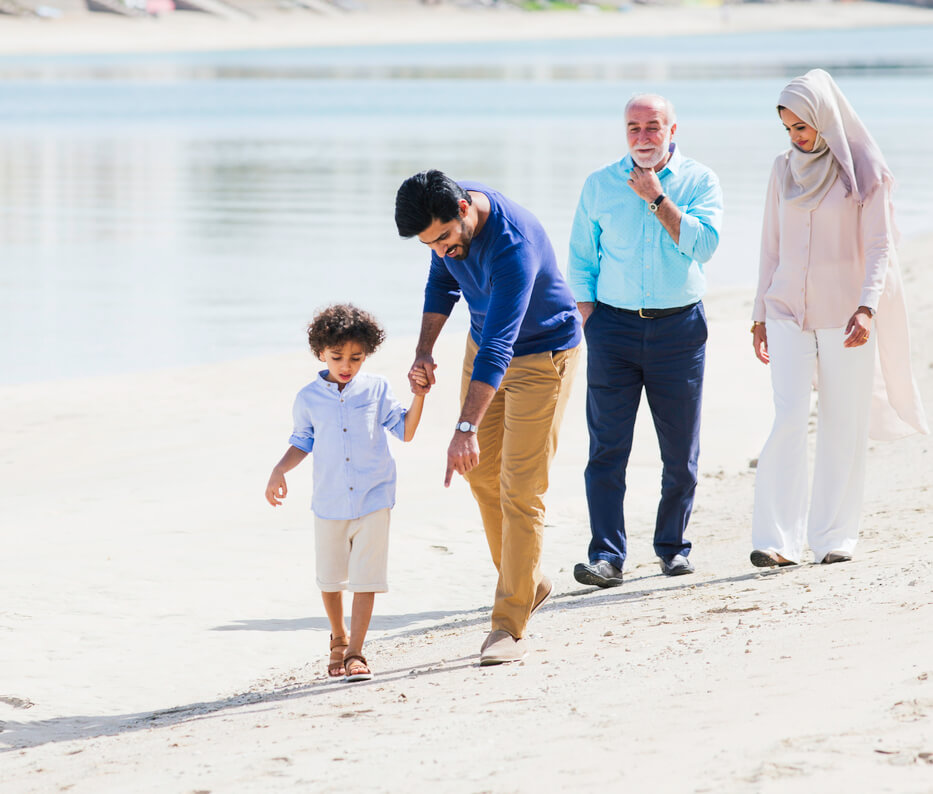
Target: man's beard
<point>464,245</point>
<point>656,157</point>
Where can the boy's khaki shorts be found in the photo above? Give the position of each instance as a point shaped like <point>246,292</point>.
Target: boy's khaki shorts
<point>353,554</point>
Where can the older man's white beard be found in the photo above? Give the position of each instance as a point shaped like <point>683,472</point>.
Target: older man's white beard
<point>655,157</point>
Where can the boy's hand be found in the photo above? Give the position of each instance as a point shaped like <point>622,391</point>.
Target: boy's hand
<point>276,490</point>
<point>419,377</point>
<point>421,374</point>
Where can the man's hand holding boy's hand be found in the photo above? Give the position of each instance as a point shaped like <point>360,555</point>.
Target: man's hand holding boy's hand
<point>276,490</point>
<point>418,377</point>
<point>421,375</point>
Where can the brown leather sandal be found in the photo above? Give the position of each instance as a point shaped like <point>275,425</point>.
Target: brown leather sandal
<point>768,559</point>
<point>357,667</point>
<point>338,647</point>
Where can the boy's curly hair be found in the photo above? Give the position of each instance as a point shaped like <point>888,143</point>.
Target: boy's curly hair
<point>341,323</point>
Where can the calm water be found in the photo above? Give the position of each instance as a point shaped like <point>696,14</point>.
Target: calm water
<point>172,210</point>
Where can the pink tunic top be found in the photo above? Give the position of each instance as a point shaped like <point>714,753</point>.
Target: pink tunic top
<point>818,267</point>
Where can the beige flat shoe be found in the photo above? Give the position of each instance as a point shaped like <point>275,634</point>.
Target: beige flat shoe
<point>501,647</point>
<point>542,595</point>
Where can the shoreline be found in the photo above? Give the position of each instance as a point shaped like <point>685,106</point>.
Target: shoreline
<point>405,23</point>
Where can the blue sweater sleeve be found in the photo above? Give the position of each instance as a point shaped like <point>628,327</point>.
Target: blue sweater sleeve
<point>512,277</point>
<point>442,290</point>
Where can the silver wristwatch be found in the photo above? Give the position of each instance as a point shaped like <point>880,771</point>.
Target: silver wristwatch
<point>466,427</point>
<point>653,206</point>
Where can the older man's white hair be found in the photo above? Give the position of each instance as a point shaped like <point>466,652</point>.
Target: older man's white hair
<point>664,103</point>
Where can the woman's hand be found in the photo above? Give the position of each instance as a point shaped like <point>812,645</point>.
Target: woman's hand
<point>858,329</point>
<point>760,342</point>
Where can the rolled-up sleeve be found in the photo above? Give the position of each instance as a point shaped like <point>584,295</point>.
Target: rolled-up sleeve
<point>701,222</point>
<point>391,413</point>
<point>302,435</point>
<point>583,262</point>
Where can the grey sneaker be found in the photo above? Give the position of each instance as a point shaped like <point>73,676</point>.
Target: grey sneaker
<point>677,565</point>
<point>600,573</point>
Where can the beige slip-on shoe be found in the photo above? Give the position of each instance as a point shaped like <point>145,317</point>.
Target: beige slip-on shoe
<point>501,647</point>
<point>542,595</point>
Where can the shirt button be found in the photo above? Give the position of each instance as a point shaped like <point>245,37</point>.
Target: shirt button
<point>351,487</point>
<point>345,430</point>
<point>348,459</point>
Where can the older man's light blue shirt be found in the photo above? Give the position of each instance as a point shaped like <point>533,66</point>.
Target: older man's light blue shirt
<point>620,254</point>
<point>354,471</point>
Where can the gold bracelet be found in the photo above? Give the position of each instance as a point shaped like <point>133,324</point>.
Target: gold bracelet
<point>755,324</point>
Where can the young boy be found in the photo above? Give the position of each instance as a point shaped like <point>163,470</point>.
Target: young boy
<point>344,416</point>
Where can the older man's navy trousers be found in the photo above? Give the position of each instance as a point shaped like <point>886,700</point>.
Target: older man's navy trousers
<point>665,357</point>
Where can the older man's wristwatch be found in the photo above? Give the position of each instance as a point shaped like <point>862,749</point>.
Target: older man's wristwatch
<point>466,427</point>
<point>653,206</point>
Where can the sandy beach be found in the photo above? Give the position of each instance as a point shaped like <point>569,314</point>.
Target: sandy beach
<point>409,21</point>
<point>162,630</point>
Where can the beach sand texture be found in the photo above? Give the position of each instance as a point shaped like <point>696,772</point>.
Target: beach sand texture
<point>162,632</point>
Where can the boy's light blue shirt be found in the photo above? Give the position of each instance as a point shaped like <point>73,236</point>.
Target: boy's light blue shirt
<point>620,254</point>
<point>354,471</point>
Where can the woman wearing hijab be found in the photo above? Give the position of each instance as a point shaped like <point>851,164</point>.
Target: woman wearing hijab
<point>829,303</point>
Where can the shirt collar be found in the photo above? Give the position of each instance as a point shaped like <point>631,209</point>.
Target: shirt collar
<point>328,386</point>
<point>673,164</point>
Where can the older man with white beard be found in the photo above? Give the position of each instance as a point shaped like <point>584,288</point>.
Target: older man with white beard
<point>643,229</point>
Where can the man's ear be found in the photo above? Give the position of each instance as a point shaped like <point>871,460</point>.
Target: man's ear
<point>673,128</point>
<point>463,207</point>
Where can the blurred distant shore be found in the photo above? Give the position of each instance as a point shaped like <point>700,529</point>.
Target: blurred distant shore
<point>61,27</point>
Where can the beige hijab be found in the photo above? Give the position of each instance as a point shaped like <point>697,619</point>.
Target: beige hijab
<point>844,146</point>
<point>846,149</point>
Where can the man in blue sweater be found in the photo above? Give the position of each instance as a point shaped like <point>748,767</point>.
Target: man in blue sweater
<point>521,353</point>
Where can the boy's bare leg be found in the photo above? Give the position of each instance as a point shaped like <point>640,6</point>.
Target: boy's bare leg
<point>359,621</point>
<point>333,605</point>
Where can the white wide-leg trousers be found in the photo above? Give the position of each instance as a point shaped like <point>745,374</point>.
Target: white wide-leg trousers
<point>845,375</point>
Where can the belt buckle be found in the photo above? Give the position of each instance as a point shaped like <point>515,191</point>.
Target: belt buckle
<point>644,316</point>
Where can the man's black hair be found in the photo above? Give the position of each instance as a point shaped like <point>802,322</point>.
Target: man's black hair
<point>424,198</point>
